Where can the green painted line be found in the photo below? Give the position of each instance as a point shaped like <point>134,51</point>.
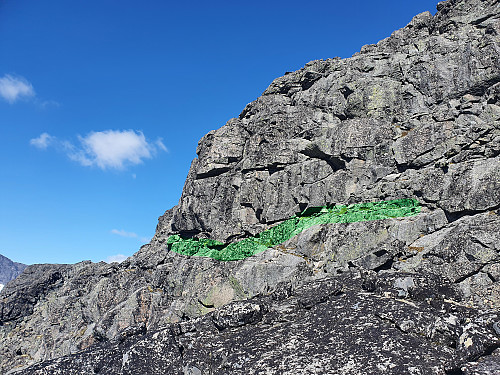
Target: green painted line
<point>284,231</point>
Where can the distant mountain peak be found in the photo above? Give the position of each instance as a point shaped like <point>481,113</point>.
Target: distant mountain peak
<point>9,270</point>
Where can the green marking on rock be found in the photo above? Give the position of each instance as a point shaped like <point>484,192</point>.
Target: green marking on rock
<point>289,228</point>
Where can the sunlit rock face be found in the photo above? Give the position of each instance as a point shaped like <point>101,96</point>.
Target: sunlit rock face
<point>415,116</point>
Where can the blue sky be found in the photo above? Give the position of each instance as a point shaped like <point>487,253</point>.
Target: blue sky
<point>102,104</point>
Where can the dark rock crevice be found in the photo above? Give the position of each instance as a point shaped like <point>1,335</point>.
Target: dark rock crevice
<point>213,173</point>
<point>455,216</point>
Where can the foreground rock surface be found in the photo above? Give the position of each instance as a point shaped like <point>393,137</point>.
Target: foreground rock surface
<point>392,323</point>
<point>415,116</point>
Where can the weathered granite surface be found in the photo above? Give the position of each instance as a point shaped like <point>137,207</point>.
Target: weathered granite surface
<point>416,115</point>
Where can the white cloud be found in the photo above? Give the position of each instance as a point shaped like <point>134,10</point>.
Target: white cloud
<point>123,233</point>
<point>1,287</point>
<point>114,149</point>
<point>159,143</point>
<point>118,258</point>
<point>43,141</point>
<point>44,104</point>
<point>14,88</point>
<point>108,149</point>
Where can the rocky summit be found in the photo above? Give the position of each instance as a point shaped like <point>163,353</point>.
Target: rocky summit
<point>416,116</point>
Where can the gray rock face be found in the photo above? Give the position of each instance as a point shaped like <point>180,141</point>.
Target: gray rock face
<point>417,115</point>
<point>420,106</point>
<point>9,270</point>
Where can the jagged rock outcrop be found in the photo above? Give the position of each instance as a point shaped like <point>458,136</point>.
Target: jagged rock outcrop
<point>9,270</point>
<point>415,116</point>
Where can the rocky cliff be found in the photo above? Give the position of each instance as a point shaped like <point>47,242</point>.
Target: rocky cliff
<point>415,116</point>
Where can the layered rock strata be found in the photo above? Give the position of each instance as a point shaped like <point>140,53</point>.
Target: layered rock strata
<point>415,116</point>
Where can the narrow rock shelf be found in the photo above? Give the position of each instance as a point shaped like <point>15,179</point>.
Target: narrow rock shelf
<point>284,231</point>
